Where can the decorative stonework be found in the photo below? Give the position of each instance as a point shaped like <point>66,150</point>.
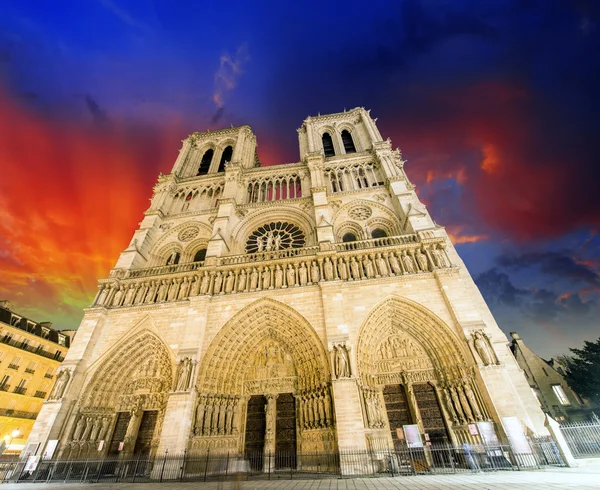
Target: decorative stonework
<point>360,213</point>
<point>188,234</point>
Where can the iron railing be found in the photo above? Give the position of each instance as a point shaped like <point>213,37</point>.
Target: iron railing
<point>583,438</point>
<point>211,465</point>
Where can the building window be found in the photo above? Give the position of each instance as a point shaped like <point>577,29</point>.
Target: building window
<point>378,233</point>
<point>225,158</point>
<point>4,383</point>
<point>560,394</point>
<point>348,142</point>
<point>349,237</point>
<point>45,332</point>
<point>200,255</point>
<point>14,320</point>
<point>545,372</point>
<point>31,367</point>
<point>205,162</point>
<point>61,340</point>
<point>328,145</point>
<point>14,364</point>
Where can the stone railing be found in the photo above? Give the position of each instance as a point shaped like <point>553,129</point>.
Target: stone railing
<point>375,242</point>
<point>262,256</point>
<point>163,269</point>
<point>395,256</point>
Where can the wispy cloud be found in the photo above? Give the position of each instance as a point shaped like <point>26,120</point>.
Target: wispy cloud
<point>230,70</point>
<point>122,14</point>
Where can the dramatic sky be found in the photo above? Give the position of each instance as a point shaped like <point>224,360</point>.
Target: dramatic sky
<point>493,103</point>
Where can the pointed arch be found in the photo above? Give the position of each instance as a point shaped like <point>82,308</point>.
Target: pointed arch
<point>226,360</point>
<point>139,360</point>
<point>396,315</point>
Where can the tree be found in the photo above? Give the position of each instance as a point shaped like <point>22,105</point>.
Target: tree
<point>584,371</point>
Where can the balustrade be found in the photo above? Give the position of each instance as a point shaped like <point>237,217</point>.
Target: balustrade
<point>274,188</point>
<point>371,259</point>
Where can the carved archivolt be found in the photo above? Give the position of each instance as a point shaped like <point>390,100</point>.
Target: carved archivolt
<point>226,362</point>
<point>400,335</point>
<point>381,217</point>
<point>140,365</point>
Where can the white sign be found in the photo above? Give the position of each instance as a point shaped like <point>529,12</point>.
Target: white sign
<point>32,463</point>
<point>516,437</point>
<point>101,445</point>
<point>413,437</point>
<point>473,429</point>
<point>488,434</point>
<point>50,448</point>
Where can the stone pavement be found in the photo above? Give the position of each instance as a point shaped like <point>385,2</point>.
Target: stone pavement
<point>556,478</point>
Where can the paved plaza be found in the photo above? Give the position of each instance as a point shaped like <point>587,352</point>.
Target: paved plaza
<point>556,478</point>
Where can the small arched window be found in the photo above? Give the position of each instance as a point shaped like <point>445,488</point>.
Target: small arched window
<point>225,157</point>
<point>348,142</point>
<point>349,237</point>
<point>173,258</point>
<point>328,145</point>
<point>200,255</point>
<point>378,233</point>
<point>205,162</point>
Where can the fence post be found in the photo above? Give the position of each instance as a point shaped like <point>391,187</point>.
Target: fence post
<point>206,465</point>
<point>183,465</point>
<point>563,447</point>
<point>163,466</point>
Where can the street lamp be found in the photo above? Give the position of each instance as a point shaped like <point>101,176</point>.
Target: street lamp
<point>8,439</point>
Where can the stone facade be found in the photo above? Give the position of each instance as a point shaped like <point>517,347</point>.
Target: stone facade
<point>322,285</point>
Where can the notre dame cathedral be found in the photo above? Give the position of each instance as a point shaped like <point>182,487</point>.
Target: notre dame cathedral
<point>312,306</point>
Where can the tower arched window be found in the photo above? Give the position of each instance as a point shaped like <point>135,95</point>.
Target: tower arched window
<point>200,255</point>
<point>328,145</point>
<point>348,142</point>
<point>349,237</point>
<point>378,233</point>
<point>225,157</point>
<point>173,258</point>
<point>205,162</point>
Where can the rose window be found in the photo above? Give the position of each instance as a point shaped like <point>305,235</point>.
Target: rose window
<point>275,236</point>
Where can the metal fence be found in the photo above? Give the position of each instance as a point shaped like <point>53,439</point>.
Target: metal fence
<point>209,465</point>
<point>583,438</point>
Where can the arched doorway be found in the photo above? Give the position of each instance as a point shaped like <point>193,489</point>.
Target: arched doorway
<point>414,370</point>
<point>265,388</point>
<point>123,406</point>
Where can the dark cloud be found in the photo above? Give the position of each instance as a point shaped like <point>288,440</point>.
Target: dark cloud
<point>216,117</point>
<point>558,264</point>
<point>498,289</point>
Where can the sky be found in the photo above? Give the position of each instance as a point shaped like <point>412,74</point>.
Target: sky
<point>493,104</point>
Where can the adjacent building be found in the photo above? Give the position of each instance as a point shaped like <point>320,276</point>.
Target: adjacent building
<point>30,353</point>
<point>306,307</point>
<point>547,381</point>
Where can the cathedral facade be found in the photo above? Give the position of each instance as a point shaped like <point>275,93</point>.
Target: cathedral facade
<point>304,307</point>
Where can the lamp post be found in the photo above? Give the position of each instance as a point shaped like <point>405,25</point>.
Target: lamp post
<point>8,439</point>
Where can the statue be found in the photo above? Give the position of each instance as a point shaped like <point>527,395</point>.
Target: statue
<point>259,244</point>
<point>185,287</point>
<point>204,283</point>
<point>369,267</point>
<point>472,401</point>
<point>291,276</point>
<point>382,266</point>
<point>59,386</point>
<point>450,407</point>
<point>278,277</point>
<point>183,374</point>
<point>328,270</point>
<point>314,273</point>
<point>266,278</point>
<point>151,293</point>
<point>438,253</point>
<point>457,405</point>
<point>253,279</point>
<point>229,282</point>
<point>341,362</point>
<point>104,429</point>
<point>162,291</point>
<point>483,349</point>
<point>87,430</point>
<point>394,264</point>
<point>269,244</point>
<point>130,294</point>
<point>465,404</point>
<point>343,273</point>
<point>95,430</point>
<point>173,258</point>
<point>303,273</point>
<point>421,260</point>
<point>241,285</point>
<point>409,265</point>
<point>118,299</point>
<point>141,293</point>
<point>355,269</point>
<point>277,242</point>
<point>79,428</point>
<point>218,283</point>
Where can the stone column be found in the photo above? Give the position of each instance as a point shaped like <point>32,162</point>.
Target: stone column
<point>270,428</point>
<point>132,431</point>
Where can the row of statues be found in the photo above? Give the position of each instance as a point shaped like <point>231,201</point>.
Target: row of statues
<point>305,273</point>
<point>91,429</point>
<point>217,415</point>
<point>395,346</point>
<point>462,404</point>
<point>373,407</point>
<point>269,242</point>
<point>315,409</point>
